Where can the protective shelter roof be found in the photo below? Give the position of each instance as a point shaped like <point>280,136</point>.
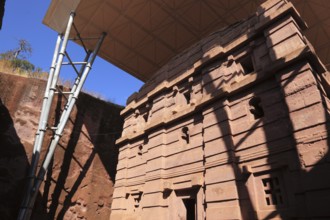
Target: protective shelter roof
<point>143,35</point>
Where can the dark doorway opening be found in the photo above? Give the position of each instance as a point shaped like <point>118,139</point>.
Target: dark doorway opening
<point>190,205</point>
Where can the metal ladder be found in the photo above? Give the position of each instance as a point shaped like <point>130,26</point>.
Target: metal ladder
<point>35,178</point>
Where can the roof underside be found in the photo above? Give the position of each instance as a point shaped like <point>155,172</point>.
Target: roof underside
<point>143,35</point>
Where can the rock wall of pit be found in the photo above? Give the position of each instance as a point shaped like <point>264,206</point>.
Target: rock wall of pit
<point>79,182</point>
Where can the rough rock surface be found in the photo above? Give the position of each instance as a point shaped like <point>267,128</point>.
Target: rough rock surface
<point>79,183</point>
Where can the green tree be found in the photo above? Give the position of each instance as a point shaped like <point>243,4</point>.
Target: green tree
<point>18,56</point>
<point>23,51</point>
<point>22,64</point>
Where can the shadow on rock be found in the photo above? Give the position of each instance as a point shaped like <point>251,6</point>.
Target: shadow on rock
<point>13,166</point>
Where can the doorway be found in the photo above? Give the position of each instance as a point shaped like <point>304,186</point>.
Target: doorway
<point>186,204</point>
<point>190,205</point>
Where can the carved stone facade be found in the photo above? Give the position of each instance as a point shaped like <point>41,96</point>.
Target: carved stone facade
<point>236,127</point>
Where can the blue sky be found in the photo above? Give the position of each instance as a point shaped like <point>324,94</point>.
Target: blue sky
<point>23,20</point>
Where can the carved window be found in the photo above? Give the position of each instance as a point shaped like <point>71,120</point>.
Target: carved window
<point>140,150</point>
<point>187,96</point>
<point>137,199</point>
<point>256,108</point>
<point>273,192</point>
<point>247,65</point>
<point>133,201</point>
<point>185,134</point>
<point>145,116</point>
<point>147,113</point>
<point>271,189</point>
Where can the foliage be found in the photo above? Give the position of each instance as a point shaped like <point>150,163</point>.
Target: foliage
<point>22,64</point>
<point>14,62</point>
<point>8,55</point>
<point>23,51</point>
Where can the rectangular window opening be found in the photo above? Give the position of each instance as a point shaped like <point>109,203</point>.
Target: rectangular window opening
<point>187,96</point>
<point>273,194</point>
<point>247,65</point>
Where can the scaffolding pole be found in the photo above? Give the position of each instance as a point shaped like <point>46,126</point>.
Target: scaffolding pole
<point>34,181</point>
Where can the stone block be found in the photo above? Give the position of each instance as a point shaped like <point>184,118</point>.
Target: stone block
<point>214,86</point>
<point>308,117</point>
<point>196,129</point>
<point>222,158</point>
<point>121,174</point>
<point>293,71</point>
<point>286,47</point>
<point>121,165</point>
<point>270,132</point>
<point>272,113</point>
<point>215,116</point>
<point>172,137</point>
<point>117,214</point>
<point>311,133</point>
<point>154,199</point>
<point>158,104</point>
<point>196,141</point>
<point>269,7</point>
<point>297,83</point>
<point>155,152</point>
<point>224,210</point>
<point>183,173</point>
<point>119,204</point>
<point>266,149</point>
<point>219,174</point>
<point>271,95</point>
<point>161,213</point>
<point>155,185</point>
<point>134,148</point>
<point>155,164</point>
<point>156,141</point>
<point>177,66</point>
<point>137,160</point>
<point>185,182</point>
<point>216,131</point>
<point>280,31</point>
<point>218,145</point>
<point>123,152</point>
<point>120,192</point>
<point>304,98</point>
<point>239,110</point>
<point>260,54</point>
<point>213,72</point>
<point>136,171</point>
<point>221,192</point>
<point>314,153</point>
<point>184,157</point>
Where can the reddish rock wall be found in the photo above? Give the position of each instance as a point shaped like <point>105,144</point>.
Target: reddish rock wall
<point>236,127</point>
<point>79,183</point>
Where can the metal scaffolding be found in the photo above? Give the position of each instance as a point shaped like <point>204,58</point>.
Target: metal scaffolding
<point>35,177</point>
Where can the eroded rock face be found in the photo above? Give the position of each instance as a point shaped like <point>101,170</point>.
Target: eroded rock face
<point>79,182</point>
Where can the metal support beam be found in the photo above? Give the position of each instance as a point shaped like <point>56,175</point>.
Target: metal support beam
<point>34,181</point>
